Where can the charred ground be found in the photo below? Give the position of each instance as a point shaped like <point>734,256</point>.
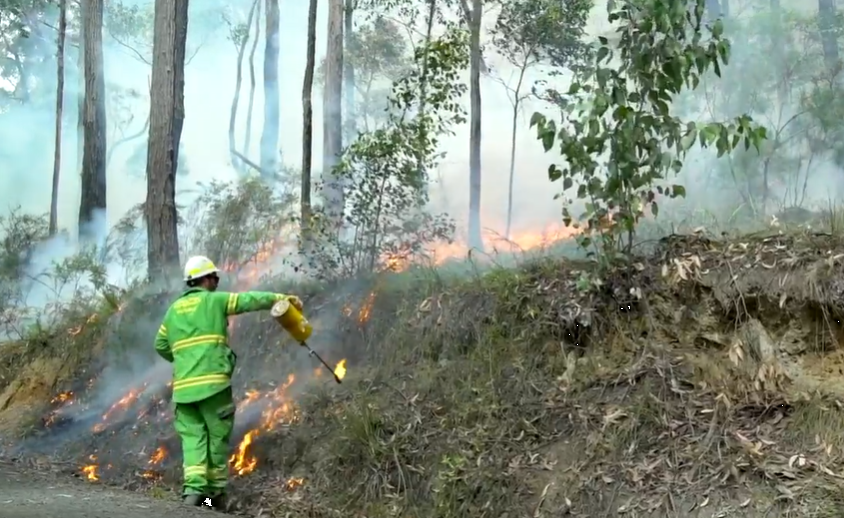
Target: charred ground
<point>703,380</point>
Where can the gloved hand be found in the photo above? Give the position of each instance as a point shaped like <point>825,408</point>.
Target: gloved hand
<point>295,301</point>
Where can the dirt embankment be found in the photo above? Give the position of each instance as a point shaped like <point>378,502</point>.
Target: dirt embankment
<point>702,384</point>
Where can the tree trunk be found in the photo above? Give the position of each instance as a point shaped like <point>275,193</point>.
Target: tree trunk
<point>423,98</point>
<point>475,238</point>
<point>332,116</point>
<point>80,105</point>
<point>57,153</point>
<point>517,92</point>
<point>92,206</point>
<point>308,128</point>
<point>350,127</point>
<point>241,51</point>
<point>167,115</point>
<point>269,136</point>
<point>826,22</point>
<point>247,140</point>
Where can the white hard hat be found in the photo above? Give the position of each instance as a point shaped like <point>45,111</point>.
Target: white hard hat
<point>199,266</point>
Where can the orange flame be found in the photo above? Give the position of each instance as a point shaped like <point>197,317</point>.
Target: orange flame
<point>157,456</point>
<point>90,471</point>
<point>241,461</point>
<point>366,309</point>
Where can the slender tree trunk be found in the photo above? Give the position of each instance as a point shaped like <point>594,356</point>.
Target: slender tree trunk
<point>241,51</point>
<point>57,153</point>
<point>332,116</point>
<point>80,105</point>
<point>513,130</point>
<point>167,115</point>
<point>826,22</point>
<point>247,140</point>
<point>92,206</point>
<point>475,238</point>
<point>778,53</point>
<point>423,98</point>
<point>269,136</point>
<point>350,126</point>
<point>308,128</point>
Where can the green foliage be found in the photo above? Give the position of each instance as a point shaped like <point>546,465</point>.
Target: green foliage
<point>36,295</point>
<point>547,31</point>
<point>777,74</point>
<point>239,222</point>
<point>384,170</point>
<point>131,26</point>
<point>622,140</point>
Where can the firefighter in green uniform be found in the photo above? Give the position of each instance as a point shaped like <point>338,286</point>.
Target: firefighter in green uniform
<point>193,337</point>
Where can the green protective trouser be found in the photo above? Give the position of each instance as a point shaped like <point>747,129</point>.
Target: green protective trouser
<point>205,428</point>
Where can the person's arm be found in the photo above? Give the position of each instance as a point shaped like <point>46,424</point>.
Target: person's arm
<point>162,344</point>
<point>249,301</point>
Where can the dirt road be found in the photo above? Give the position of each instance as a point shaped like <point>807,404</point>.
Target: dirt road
<point>24,494</point>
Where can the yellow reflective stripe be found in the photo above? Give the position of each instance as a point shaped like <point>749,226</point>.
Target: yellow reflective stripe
<point>232,304</point>
<point>162,330</point>
<point>199,340</point>
<point>195,470</point>
<point>208,379</point>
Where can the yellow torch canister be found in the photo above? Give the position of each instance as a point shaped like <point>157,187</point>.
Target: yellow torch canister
<point>292,320</point>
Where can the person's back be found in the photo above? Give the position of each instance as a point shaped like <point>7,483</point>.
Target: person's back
<point>196,327</point>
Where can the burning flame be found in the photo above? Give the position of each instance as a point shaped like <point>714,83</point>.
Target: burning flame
<point>157,456</point>
<point>293,483</point>
<point>366,308</point>
<point>241,461</point>
<point>122,405</point>
<point>63,397</point>
<point>340,369</point>
<point>90,471</point>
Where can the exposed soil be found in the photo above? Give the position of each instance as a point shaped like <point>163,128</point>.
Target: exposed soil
<point>28,494</point>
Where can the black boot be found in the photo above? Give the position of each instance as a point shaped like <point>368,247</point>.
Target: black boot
<point>219,503</point>
<point>193,500</point>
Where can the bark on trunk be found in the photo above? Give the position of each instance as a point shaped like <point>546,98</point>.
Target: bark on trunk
<point>57,153</point>
<point>350,126</point>
<point>167,114</point>
<point>826,22</point>
<point>92,206</point>
<point>241,52</point>
<point>80,105</point>
<point>332,116</point>
<point>308,129</point>
<point>475,238</point>
<point>269,135</point>
<point>247,140</point>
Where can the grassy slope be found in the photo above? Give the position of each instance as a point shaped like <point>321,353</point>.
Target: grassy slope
<point>513,393</point>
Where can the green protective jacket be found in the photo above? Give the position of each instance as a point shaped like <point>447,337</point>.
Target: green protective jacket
<point>194,338</point>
